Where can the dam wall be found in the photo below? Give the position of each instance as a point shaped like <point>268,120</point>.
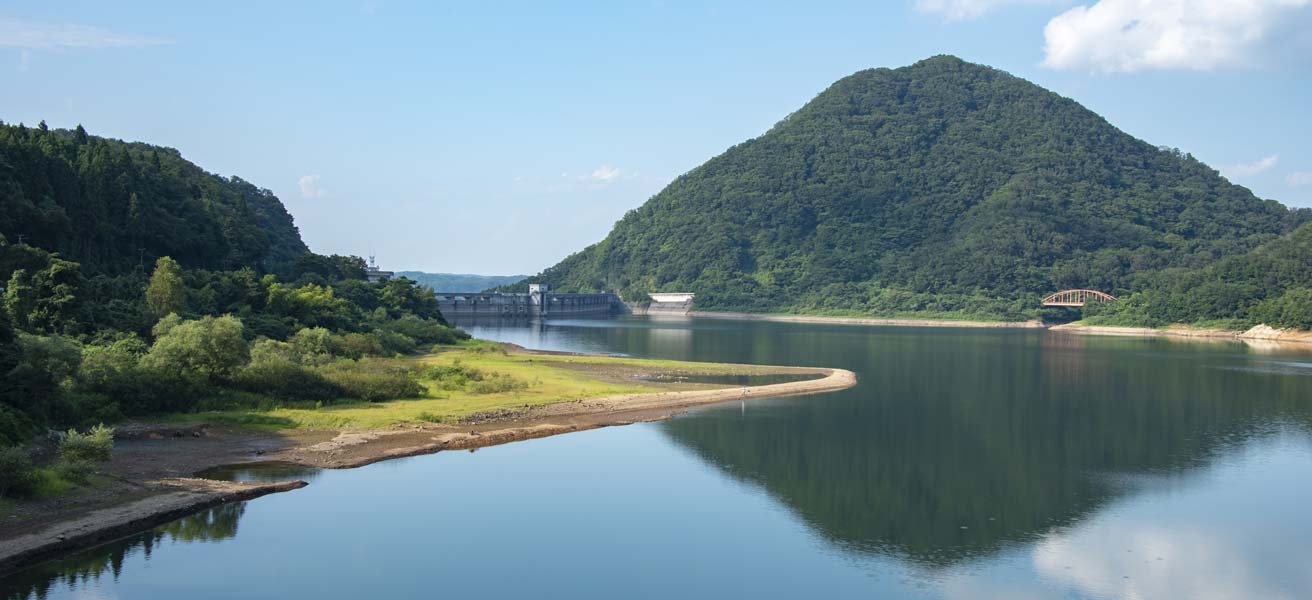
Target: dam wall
<point>527,306</point>
<point>541,302</point>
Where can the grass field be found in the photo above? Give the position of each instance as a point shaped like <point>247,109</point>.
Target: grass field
<point>542,379</point>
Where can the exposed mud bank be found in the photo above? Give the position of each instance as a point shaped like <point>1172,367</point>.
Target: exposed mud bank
<point>1259,336</point>
<point>870,320</point>
<point>176,498</point>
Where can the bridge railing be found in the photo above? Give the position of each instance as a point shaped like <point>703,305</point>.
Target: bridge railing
<point>1077,298</point>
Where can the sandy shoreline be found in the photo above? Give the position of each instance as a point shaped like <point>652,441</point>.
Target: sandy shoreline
<point>740,316</point>
<point>1260,335</point>
<point>157,471</point>
<point>1257,336</point>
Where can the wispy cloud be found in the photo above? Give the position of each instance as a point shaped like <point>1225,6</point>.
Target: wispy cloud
<point>606,173</point>
<point>32,35</point>
<point>960,10</point>
<point>1299,178</point>
<point>310,187</point>
<point>1123,36</point>
<point>1242,170</point>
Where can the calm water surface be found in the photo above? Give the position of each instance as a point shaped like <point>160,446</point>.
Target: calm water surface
<point>966,464</point>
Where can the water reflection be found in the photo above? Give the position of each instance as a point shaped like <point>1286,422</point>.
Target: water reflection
<point>1180,536</point>
<point>87,569</point>
<point>265,471</point>
<point>949,452</point>
<point>966,464</point>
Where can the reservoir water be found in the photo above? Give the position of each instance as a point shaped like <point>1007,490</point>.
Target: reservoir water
<point>966,464</point>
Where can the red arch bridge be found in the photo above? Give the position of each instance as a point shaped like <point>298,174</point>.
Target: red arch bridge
<point>1077,298</point>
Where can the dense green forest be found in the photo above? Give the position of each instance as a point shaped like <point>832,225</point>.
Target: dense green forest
<point>456,282</point>
<point>942,187</point>
<point>135,283</point>
<point>1271,284</point>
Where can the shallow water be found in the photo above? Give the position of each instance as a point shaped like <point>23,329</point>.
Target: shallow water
<point>966,464</point>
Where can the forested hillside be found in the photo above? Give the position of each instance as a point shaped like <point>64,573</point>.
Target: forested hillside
<point>1271,284</point>
<point>942,187</point>
<point>135,283</point>
<point>456,282</point>
<point>113,206</point>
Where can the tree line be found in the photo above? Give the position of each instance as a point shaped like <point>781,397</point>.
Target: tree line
<point>135,283</point>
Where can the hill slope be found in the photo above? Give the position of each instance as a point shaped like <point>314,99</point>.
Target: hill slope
<point>942,186</point>
<point>111,205</point>
<point>458,282</point>
<point>1271,284</point>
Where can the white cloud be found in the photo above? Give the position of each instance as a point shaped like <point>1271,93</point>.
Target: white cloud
<point>46,36</point>
<point>1299,178</point>
<point>1250,169</point>
<point>606,173</point>
<point>310,186</point>
<point>1137,35</point>
<point>24,60</point>
<point>959,10</point>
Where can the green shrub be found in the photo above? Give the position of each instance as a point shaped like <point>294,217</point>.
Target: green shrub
<point>94,445</point>
<point>282,378</point>
<point>18,477</point>
<point>1293,309</point>
<point>313,345</point>
<point>266,349</point>
<point>453,376</point>
<point>85,408</point>
<point>164,390</point>
<point>394,343</point>
<point>374,379</point>
<point>496,383</point>
<point>357,345</point>
<point>212,347</point>
<point>429,417</point>
<point>112,367</point>
<point>75,471</point>
<point>15,427</point>
<point>424,331</point>
<point>34,385</point>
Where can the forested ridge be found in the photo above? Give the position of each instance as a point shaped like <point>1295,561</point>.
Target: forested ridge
<point>942,187</point>
<point>114,206</point>
<point>460,282</point>
<point>135,283</point>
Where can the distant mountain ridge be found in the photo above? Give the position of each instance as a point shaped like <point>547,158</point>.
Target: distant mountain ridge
<point>460,282</point>
<point>943,186</point>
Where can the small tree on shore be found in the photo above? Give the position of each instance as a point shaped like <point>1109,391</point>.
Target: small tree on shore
<point>166,293</point>
<point>212,347</point>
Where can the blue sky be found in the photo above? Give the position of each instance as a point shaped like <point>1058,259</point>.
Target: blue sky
<point>500,137</point>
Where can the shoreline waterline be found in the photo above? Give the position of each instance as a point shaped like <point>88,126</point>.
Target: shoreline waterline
<point>344,448</point>
<point>1260,334</point>
<point>822,319</point>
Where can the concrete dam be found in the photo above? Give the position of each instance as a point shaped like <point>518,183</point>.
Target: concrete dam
<point>540,302</point>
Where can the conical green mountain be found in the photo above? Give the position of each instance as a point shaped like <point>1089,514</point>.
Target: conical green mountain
<point>941,186</point>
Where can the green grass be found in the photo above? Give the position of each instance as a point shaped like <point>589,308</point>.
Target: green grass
<point>549,382</point>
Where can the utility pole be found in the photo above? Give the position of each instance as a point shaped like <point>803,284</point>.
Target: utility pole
<point>20,239</point>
